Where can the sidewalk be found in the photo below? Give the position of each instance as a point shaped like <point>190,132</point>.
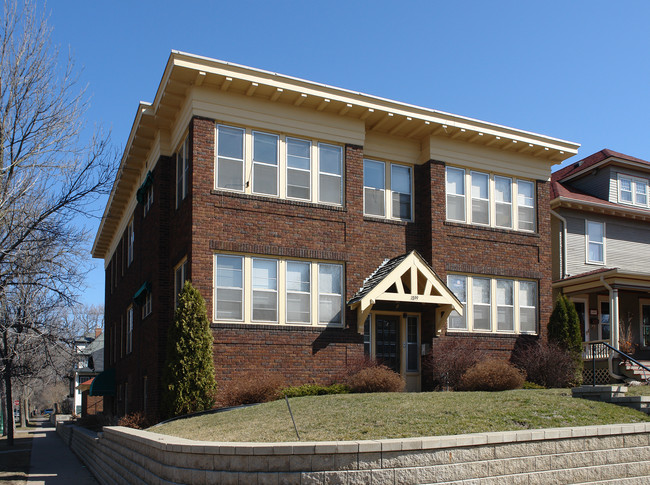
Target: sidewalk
<point>52,462</point>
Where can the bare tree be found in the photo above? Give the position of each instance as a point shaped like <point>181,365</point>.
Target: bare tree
<point>48,177</point>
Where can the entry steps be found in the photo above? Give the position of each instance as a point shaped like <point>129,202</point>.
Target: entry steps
<point>614,394</point>
<point>635,371</point>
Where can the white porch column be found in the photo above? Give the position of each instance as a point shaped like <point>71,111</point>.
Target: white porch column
<point>613,310</point>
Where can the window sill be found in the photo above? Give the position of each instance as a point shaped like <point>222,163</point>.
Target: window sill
<point>397,222</point>
<point>488,333</point>
<point>491,229</point>
<point>277,200</point>
<point>288,327</point>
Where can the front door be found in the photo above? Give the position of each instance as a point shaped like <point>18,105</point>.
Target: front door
<point>387,346</point>
<point>645,324</point>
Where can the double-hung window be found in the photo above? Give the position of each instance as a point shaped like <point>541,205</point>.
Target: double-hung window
<point>632,190</point>
<point>503,196</point>
<point>129,330</point>
<point>455,194</point>
<point>595,242</point>
<point>147,304</point>
<point>265,290</point>
<point>458,285</point>
<point>526,205</point>
<point>480,198</point>
<point>298,292</point>
<point>265,163</point>
<point>374,185</point>
<point>230,158</point>
<point>229,288</point>
<point>182,171</point>
<point>180,275</point>
<point>400,186</point>
<point>330,293</point>
<point>130,236</point>
<point>298,168</point>
<point>330,173</point>
<point>496,305</point>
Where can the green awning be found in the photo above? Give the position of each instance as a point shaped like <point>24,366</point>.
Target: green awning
<point>103,384</point>
<point>140,294</point>
<point>142,191</point>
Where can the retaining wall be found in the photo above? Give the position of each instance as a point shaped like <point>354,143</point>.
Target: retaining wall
<point>593,454</point>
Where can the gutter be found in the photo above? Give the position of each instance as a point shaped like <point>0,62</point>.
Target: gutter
<point>564,248</point>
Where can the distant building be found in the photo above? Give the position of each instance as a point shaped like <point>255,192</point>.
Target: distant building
<point>89,350</point>
<point>319,224</point>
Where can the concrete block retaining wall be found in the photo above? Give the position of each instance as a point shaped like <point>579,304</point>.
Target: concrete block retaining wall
<point>593,454</point>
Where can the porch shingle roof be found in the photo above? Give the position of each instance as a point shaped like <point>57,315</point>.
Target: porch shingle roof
<point>376,277</point>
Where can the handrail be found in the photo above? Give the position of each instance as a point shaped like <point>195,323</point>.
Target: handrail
<point>623,354</point>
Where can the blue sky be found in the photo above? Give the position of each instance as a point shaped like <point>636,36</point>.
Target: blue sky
<point>576,70</point>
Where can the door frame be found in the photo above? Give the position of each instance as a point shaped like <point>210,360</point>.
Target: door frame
<point>642,302</point>
<point>585,316</point>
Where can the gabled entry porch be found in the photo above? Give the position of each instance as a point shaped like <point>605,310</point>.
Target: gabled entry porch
<point>400,307</point>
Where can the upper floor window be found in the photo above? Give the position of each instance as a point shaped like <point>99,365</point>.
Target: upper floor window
<point>182,171</point>
<point>148,200</point>
<point>270,290</point>
<point>394,202</point>
<point>130,238</point>
<point>129,330</point>
<point>632,190</point>
<point>493,304</point>
<point>595,242</point>
<point>147,304</point>
<point>278,165</point>
<point>494,200</point>
<point>180,275</point>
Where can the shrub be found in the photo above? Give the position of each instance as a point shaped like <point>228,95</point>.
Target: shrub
<point>251,388</point>
<point>355,365</point>
<point>137,420</point>
<point>492,375</point>
<point>314,390</point>
<point>188,376</point>
<point>548,365</point>
<point>448,360</point>
<point>564,326</point>
<point>376,379</point>
<point>532,385</point>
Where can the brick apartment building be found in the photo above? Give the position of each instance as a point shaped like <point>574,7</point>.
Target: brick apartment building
<point>318,224</point>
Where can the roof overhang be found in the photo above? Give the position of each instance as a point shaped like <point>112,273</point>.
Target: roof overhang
<point>595,281</point>
<point>606,208</point>
<point>185,72</point>
<point>412,281</point>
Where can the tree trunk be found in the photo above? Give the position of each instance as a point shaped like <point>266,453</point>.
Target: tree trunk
<point>10,408</point>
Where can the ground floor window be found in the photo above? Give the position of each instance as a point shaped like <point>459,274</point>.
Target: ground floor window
<point>254,289</point>
<point>498,305</point>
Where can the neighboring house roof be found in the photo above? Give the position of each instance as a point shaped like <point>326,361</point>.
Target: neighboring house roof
<point>594,159</point>
<point>614,277</point>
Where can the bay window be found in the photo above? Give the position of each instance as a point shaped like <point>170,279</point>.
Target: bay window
<point>495,305</point>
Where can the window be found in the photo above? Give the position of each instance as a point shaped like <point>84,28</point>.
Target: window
<point>180,275</point>
<point>455,194</point>
<point>495,305</point>
<point>230,158</point>
<point>129,330</point>
<point>330,293</point>
<point>412,344</point>
<point>147,304</point>
<point>480,198</point>
<point>298,292</point>
<point>182,171</point>
<point>632,190</point>
<point>271,290</point>
<point>595,242</point>
<point>148,200</point>
<point>130,235</point>
<point>229,287</point>
<point>400,186</point>
<point>526,205</point>
<point>367,336</point>
<point>503,196</point>
<point>505,305</point>
<point>458,285</point>
<point>298,169</point>
<point>330,173</point>
<point>265,290</point>
<point>265,163</point>
<point>373,188</point>
<point>494,200</point>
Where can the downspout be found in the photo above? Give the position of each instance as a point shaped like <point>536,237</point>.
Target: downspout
<point>564,248</point>
<point>613,318</point>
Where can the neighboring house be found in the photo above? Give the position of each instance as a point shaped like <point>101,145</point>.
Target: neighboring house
<point>319,224</point>
<point>89,349</point>
<point>601,247</point>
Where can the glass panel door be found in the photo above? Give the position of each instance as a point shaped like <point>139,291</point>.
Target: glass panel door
<point>604,321</point>
<point>645,324</point>
<point>387,347</point>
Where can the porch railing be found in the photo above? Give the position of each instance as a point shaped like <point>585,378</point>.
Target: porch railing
<point>595,350</point>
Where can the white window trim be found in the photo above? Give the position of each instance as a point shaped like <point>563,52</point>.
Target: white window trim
<point>471,198</point>
<point>469,307</point>
<point>514,203</point>
<point>341,295</point>
<point>264,290</point>
<point>147,307</point>
<point>587,242</point>
<point>634,180</point>
<point>247,276</point>
<point>388,190</point>
<point>182,267</point>
<point>282,166</point>
<point>256,162</point>
<point>286,293</point>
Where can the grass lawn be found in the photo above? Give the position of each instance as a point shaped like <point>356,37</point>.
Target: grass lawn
<point>638,391</point>
<point>399,415</point>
